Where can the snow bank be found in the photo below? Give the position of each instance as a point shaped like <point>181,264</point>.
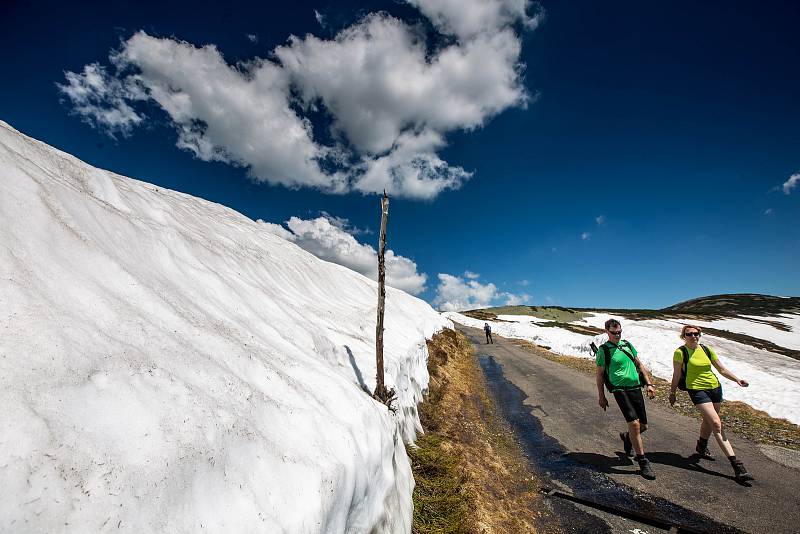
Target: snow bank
<point>168,366</point>
<point>774,378</point>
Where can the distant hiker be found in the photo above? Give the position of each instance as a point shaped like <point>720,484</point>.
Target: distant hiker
<point>691,371</point>
<point>619,369</point>
<point>488,330</point>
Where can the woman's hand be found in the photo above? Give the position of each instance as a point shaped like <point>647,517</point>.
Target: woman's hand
<point>672,398</point>
<point>742,382</point>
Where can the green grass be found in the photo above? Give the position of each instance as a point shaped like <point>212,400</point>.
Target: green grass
<point>550,313</point>
<point>439,504</point>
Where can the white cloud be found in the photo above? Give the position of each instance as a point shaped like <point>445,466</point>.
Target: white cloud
<point>524,283</point>
<point>390,97</point>
<point>458,294</point>
<point>768,211</point>
<point>252,37</point>
<point>791,183</point>
<point>376,79</point>
<point>467,18</point>
<point>585,236</point>
<point>516,300</point>
<point>329,240</point>
<point>320,18</point>
<point>344,224</point>
<point>600,220</point>
<point>471,275</point>
<point>102,100</point>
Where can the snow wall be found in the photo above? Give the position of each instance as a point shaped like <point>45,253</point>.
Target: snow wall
<point>166,365</point>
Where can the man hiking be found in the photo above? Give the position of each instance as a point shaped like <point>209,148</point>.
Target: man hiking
<point>488,330</point>
<point>618,369</point>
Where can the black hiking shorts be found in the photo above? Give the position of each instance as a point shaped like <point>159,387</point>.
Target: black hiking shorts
<point>701,396</point>
<point>631,403</point>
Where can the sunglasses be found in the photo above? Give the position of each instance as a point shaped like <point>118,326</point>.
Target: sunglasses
<point>618,332</point>
<point>692,334</point>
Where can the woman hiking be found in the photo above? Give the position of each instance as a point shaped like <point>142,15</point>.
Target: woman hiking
<point>705,391</point>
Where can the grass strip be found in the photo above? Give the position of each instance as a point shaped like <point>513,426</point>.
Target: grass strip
<point>471,475</point>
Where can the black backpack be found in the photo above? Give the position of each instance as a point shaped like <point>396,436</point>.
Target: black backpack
<point>682,381</point>
<point>607,354</point>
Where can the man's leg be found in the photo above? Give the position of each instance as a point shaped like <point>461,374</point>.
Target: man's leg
<point>631,402</point>
<point>635,433</point>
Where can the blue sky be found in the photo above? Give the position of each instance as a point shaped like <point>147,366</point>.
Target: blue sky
<point>676,125</point>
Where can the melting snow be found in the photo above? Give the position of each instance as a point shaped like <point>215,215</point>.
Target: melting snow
<point>167,365</point>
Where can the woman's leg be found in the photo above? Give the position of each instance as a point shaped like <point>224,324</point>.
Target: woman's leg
<point>705,429</point>
<point>710,413</point>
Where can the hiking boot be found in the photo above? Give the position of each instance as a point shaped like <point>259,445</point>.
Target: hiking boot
<point>646,470</point>
<point>702,449</point>
<point>626,443</point>
<point>740,472</point>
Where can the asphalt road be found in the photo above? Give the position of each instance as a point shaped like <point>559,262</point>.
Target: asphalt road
<point>574,445</point>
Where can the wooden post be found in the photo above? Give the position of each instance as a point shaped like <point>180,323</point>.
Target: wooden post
<point>380,388</point>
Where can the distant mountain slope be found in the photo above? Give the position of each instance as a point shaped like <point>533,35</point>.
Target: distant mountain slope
<point>737,305</point>
<point>761,321</point>
<point>166,365</point>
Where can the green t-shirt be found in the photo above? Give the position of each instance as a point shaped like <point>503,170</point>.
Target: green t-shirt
<point>622,371</point>
<point>698,369</point>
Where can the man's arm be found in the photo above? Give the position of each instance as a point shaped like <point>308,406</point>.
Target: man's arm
<point>651,390</point>
<point>600,379</point>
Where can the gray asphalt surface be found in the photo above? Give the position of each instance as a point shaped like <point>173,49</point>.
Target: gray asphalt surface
<point>564,402</point>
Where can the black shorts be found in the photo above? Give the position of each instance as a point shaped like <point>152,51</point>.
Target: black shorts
<point>631,403</point>
<point>701,396</point>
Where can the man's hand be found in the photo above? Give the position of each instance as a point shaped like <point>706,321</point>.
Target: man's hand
<point>603,402</point>
<point>672,398</point>
<point>651,392</point>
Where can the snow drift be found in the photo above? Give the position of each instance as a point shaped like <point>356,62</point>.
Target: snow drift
<point>166,365</point>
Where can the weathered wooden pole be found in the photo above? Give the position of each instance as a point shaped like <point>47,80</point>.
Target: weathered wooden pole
<point>380,388</point>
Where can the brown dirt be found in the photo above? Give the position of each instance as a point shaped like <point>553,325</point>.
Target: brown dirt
<point>489,485</point>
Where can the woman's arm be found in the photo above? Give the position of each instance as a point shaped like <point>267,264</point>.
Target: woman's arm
<point>677,369</point>
<point>727,374</point>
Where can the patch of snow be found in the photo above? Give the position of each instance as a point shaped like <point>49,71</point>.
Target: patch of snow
<point>774,378</point>
<point>166,365</point>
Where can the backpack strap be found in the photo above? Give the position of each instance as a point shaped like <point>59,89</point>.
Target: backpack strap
<point>685,357</point>
<point>642,379</point>
<point>628,354</point>
<point>705,349</point>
